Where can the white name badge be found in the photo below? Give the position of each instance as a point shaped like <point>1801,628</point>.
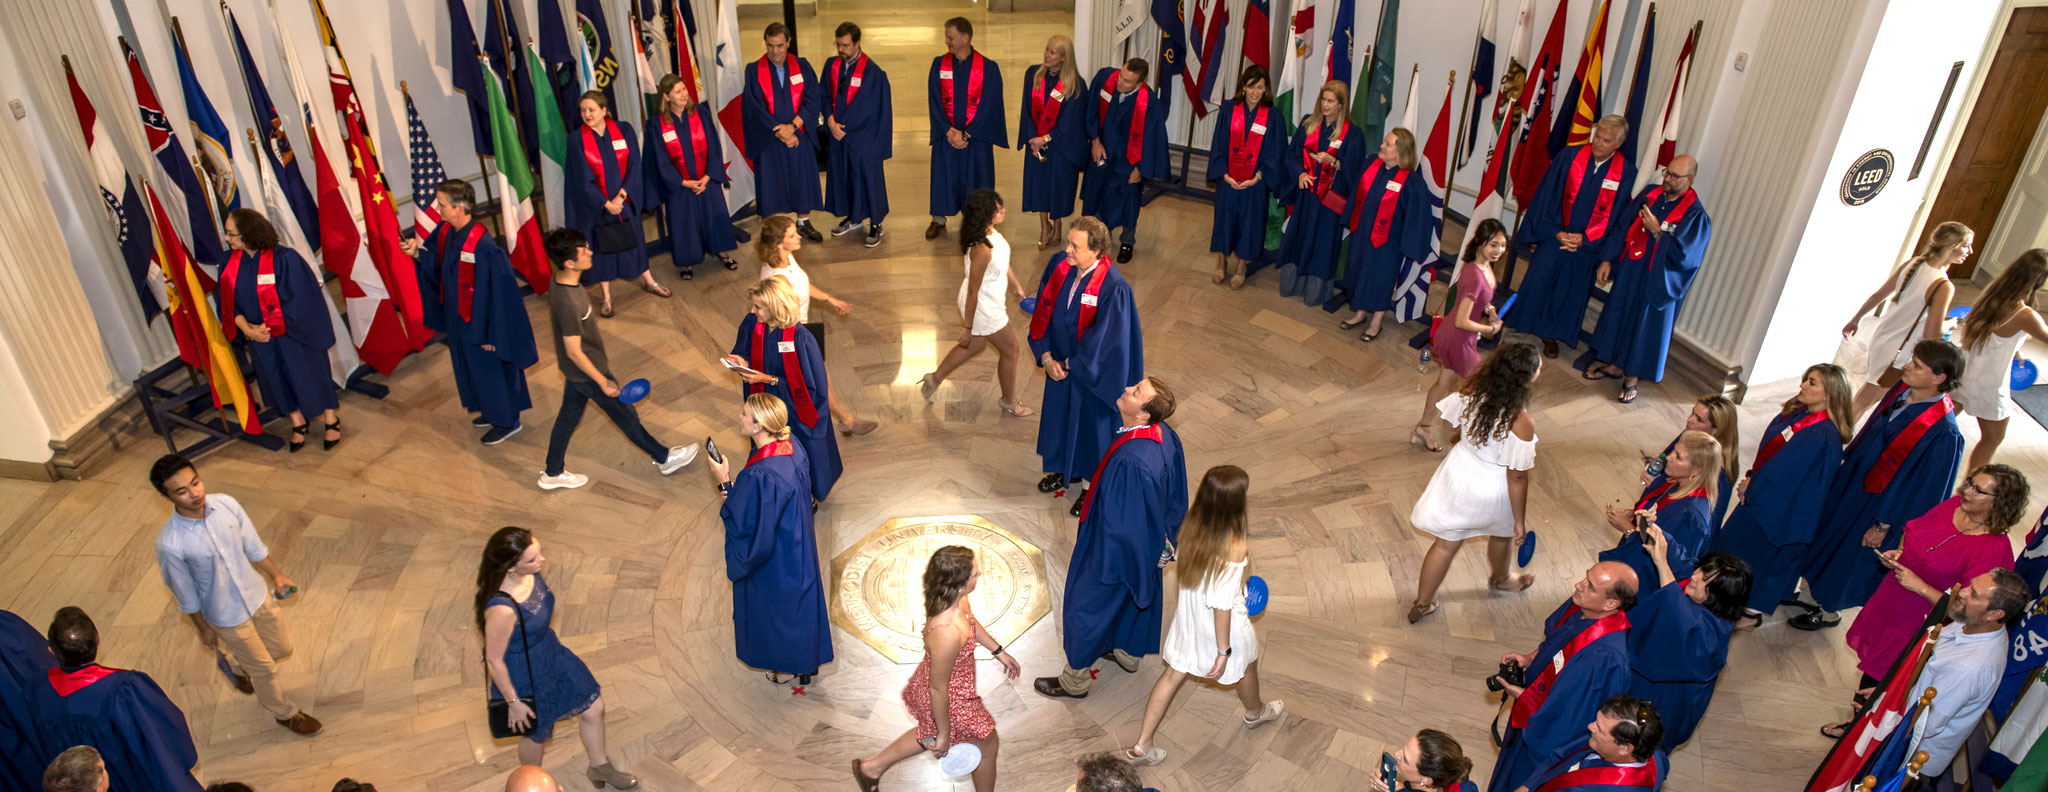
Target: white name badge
<point>1057,95</point>
<point>1668,227</point>
<point>619,145</point>
<point>669,136</point>
<point>945,74</point>
<point>468,257</point>
<point>1335,143</point>
<point>1105,94</point>
<point>266,280</point>
<point>1259,129</point>
<point>1609,184</point>
<point>855,82</point>
<point>796,78</point>
<point>785,347</point>
<point>1088,300</point>
<point>1393,186</point>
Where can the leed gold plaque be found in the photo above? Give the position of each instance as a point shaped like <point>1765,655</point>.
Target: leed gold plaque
<point>878,583</point>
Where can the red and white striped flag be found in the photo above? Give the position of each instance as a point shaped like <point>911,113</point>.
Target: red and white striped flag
<point>1667,125</point>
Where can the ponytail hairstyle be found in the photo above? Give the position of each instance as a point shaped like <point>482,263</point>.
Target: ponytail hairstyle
<point>949,569</point>
<point>1214,533</point>
<point>1441,759</point>
<point>768,243</point>
<point>2003,298</point>
<point>1945,236</point>
<point>768,411</point>
<point>501,553</point>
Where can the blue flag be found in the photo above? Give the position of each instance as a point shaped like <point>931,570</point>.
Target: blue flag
<point>210,140</point>
<point>560,59</point>
<point>2030,635</point>
<point>500,30</point>
<point>1481,77</point>
<point>1639,88</point>
<point>597,39</point>
<point>1173,40</point>
<point>468,76</point>
<point>1338,66</point>
<point>170,155</point>
<point>275,143</point>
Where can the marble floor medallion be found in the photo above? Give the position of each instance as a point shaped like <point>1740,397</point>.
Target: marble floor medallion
<point>878,591</point>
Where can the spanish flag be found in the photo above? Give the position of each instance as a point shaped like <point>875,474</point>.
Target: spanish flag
<point>201,344</point>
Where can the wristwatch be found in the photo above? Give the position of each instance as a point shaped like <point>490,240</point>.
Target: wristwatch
<point>724,488</point>
<point>1225,652</point>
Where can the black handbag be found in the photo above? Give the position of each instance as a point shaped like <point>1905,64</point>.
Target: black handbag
<point>499,710</point>
<point>610,237</point>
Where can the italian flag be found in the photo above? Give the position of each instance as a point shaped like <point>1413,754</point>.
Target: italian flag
<point>515,180</point>
<point>554,141</point>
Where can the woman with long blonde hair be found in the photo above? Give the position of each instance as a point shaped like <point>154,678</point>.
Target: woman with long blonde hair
<point>776,247</point>
<point>1915,298</point>
<point>1053,130</point>
<point>1321,164</point>
<point>1211,634</point>
<point>1991,338</point>
<point>1778,504</point>
<point>1373,263</point>
<point>1682,503</point>
<point>1715,415</point>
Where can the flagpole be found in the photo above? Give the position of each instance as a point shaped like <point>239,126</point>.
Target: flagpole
<point>1370,64</point>
<point>505,45</point>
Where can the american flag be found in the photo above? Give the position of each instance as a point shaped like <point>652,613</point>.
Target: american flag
<point>427,174</point>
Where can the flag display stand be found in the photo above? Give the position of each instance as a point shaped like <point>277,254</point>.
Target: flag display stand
<point>358,382</point>
<point>171,407</point>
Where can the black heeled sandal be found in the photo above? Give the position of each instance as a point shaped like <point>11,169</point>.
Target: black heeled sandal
<point>326,444</point>
<point>298,439</point>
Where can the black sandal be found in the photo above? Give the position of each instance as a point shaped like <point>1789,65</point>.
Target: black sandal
<point>686,274</point>
<point>1835,731</point>
<point>326,444</point>
<point>1628,395</point>
<point>1368,337</point>
<point>728,262</point>
<point>299,436</point>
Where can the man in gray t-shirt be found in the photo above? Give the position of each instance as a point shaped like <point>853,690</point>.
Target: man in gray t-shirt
<point>579,352</point>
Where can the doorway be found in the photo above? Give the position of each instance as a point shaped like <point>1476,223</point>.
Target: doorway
<point>1997,138</point>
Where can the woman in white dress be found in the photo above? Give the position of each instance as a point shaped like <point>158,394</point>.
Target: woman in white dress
<point>984,312</point>
<point>776,248</point>
<point>1915,297</point>
<point>1991,337</point>
<point>1211,633</point>
<point>1482,487</point>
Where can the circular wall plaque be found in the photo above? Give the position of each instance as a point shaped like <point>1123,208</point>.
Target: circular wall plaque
<point>878,583</point>
<point>1867,177</point>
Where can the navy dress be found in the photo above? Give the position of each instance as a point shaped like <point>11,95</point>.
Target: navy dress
<point>1559,283</point>
<point>959,172</point>
<point>698,223</point>
<point>1309,247</point>
<point>1050,184</point>
<point>585,205</point>
<point>561,685</point>
<point>854,186</point>
<point>820,445</point>
<point>1677,649</point>
<point>771,557</point>
<point>293,367</point>
<point>1240,226</point>
<point>1371,271</point>
<point>1781,509</point>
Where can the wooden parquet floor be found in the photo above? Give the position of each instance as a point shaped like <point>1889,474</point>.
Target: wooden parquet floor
<point>384,533</point>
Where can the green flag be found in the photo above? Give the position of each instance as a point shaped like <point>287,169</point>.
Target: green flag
<point>515,191</point>
<point>554,140</point>
<point>1377,93</point>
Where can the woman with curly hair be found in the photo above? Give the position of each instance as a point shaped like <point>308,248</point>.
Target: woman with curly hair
<point>984,313</point>
<point>1482,487</point>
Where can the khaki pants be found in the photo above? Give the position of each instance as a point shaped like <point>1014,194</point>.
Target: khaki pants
<point>1077,681</point>
<point>253,649</point>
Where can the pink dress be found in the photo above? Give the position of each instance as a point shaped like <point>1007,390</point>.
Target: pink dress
<point>1934,550</point>
<point>1456,349</point>
<point>971,721</point>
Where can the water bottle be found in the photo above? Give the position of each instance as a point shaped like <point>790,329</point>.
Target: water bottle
<point>1423,365</point>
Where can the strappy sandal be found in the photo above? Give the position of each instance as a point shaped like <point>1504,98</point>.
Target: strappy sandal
<point>1016,410</point>
<point>1512,583</point>
<point>1420,611</point>
<point>1835,731</point>
<point>1222,271</point>
<point>1420,436</point>
<point>865,783</point>
<point>1237,276</point>
<point>657,290</point>
<point>298,439</point>
<point>728,262</point>
<point>326,444</point>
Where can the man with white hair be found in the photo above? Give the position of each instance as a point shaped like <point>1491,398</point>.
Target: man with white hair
<point>1577,207</point>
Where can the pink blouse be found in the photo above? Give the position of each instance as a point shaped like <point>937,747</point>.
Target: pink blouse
<point>1935,551</point>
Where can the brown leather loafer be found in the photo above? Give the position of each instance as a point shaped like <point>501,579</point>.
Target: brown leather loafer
<point>243,684</point>
<point>301,724</point>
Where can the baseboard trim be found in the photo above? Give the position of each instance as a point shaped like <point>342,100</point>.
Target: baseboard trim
<point>120,426</point>
<point>1694,366</point>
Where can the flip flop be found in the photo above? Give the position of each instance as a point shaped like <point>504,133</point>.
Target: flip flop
<point>1628,395</point>
<point>1834,731</point>
<point>1595,373</point>
<point>657,291</point>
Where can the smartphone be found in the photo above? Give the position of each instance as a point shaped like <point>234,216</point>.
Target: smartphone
<point>1387,770</point>
<point>711,450</point>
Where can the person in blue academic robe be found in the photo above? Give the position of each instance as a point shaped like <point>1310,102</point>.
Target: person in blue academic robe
<point>1582,771</point>
<point>1780,506</point>
<point>140,734</point>
<point>771,554</point>
<point>1321,168</point>
<point>1086,368</point>
<point>1114,592</point>
<point>1052,130</point>
<point>491,346</point>
<point>1685,521</point>
<point>859,133</point>
<point>25,663</point>
<point>1559,283</point>
<point>596,200</point>
<point>1557,722</point>
<point>1724,487</point>
<point>821,446</point>
<point>779,111</point>
<point>291,355</point>
<point>1245,169</point>
<point>1377,254</point>
<point>692,193</point>
<point>1867,508</point>
<point>1111,187</point>
<point>1651,262</point>
<point>964,138</point>
<point>1678,639</point>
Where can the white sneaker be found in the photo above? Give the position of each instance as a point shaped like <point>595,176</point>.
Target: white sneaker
<point>679,457</point>
<point>567,480</point>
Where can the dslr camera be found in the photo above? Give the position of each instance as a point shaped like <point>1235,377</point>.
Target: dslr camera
<point>1510,673</point>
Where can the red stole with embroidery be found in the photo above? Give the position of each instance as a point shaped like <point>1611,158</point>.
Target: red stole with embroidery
<point>1091,296</point>
<point>698,144</point>
<point>792,367</point>
<point>1603,205</point>
<point>1383,217</point>
<point>266,293</point>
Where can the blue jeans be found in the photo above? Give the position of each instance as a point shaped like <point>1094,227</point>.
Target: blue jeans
<point>574,396</point>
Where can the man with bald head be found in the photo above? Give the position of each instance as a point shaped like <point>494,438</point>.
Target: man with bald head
<point>1583,659</point>
<point>1651,265</point>
<point>1577,208</point>
<point>529,778</point>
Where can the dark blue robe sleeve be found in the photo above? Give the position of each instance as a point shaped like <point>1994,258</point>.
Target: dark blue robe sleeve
<point>815,376</point>
<point>1679,254</point>
<point>1786,494</point>
<point>1219,147</point>
<point>427,269</point>
<point>870,128</point>
<point>1673,639</point>
<point>152,730</point>
<point>1290,164</point>
<point>752,512</point>
<point>1273,152</point>
<point>636,193</point>
<point>304,304</point>
<point>1176,485</point>
<point>25,661</point>
<point>660,178</point>
<point>1152,161</point>
<point>1925,479</point>
<point>1417,234</point>
<point>1131,515</point>
<point>1351,159</point>
<point>1685,526</point>
<point>1025,132</point>
<point>1544,217</point>
<point>1111,355</point>
<point>1724,494</point>
<point>807,111</point>
<point>1040,346</point>
<point>742,343</point>
<point>1596,672</point>
<point>940,123</point>
<point>497,312</point>
<point>584,201</point>
<point>755,119</point>
<point>1092,103</point>
<point>714,149</point>
<point>989,125</point>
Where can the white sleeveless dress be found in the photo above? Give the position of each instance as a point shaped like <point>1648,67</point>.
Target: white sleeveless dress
<point>1468,494</point>
<point>1190,645</point>
<point>1890,346</point>
<point>1986,391</point>
<point>991,313</point>
<point>799,281</point>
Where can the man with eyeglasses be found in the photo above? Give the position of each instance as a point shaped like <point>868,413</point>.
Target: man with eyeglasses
<point>1620,754</point>
<point>1649,267</point>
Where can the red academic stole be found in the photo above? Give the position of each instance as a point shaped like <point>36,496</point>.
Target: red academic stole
<point>1532,696</point>
<point>860,67</point>
<point>1639,240</point>
<point>1657,496</point>
<point>973,87</point>
<point>791,368</point>
<point>1894,455</point>
<point>1045,105</point>
<point>775,449</point>
<point>1245,144</point>
<point>69,682</point>
<point>1325,175</point>
<point>1779,440</point>
<point>1383,217</point>
<point>766,74</point>
<point>593,158</point>
<point>266,292</point>
<point>1091,294</point>
<point>1603,205</point>
<point>1643,775</point>
<point>1134,144</point>
<point>465,270</point>
<point>1148,432</point>
<point>675,147</point>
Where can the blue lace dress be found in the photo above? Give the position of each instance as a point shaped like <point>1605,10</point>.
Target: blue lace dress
<point>561,685</point>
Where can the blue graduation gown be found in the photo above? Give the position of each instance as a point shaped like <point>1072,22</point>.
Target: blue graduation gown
<point>1114,582</point>
<point>698,223</point>
<point>771,557</point>
<point>785,177</point>
<point>1559,283</point>
<point>1371,272</point>
<point>1677,649</point>
<point>139,733</point>
<point>1585,757</point>
<point>1049,185</point>
<point>492,383</point>
<point>1309,246</point>
<point>1839,570</point>
<point>293,367</point>
<point>1596,672</point>
<point>1634,331</point>
<point>1781,509</point>
<point>1724,493</point>
<point>854,187</point>
<point>1078,418</point>
<point>1107,193</point>
<point>821,446</point>
<point>1686,527</point>
<point>1240,227</point>
<point>958,172</point>
<point>25,662</point>
<point>584,207</point>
